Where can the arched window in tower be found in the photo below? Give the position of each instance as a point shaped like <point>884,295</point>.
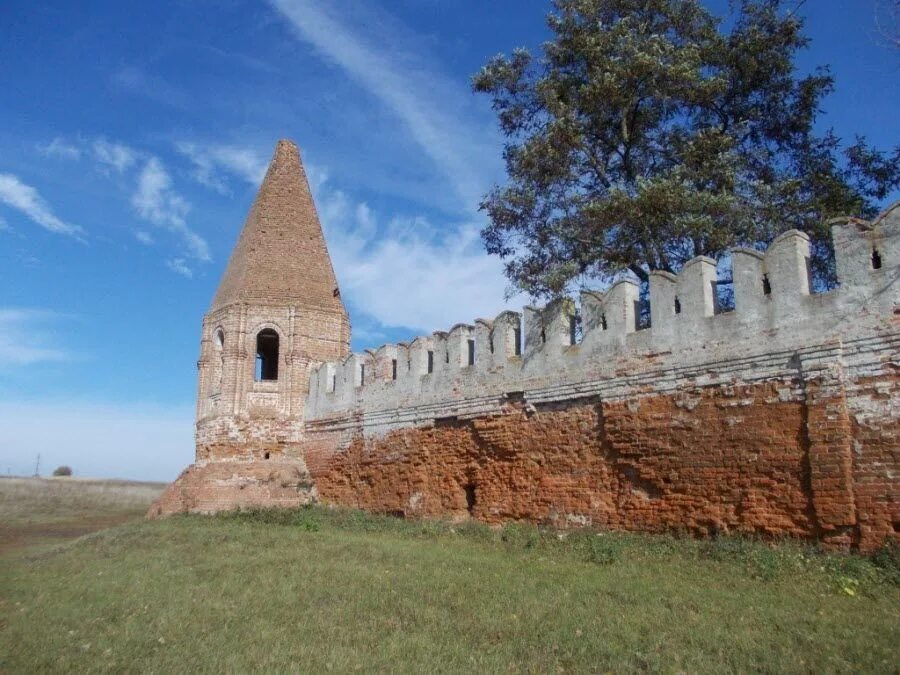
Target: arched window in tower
<point>266,355</point>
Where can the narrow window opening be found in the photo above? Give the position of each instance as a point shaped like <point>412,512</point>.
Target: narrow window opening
<point>723,296</point>
<point>471,352</point>
<point>266,456</point>
<point>677,305</point>
<point>362,374</point>
<point>446,356</point>
<point>603,321</point>
<point>267,355</point>
<point>430,361</point>
<point>767,287</point>
<point>543,336</point>
<point>642,318</point>
<point>876,259</point>
<point>470,498</point>
<point>333,382</point>
<point>220,338</point>
<point>491,343</point>
<point>573,330</point>
<point>393,369</point>
<point>517,338</point>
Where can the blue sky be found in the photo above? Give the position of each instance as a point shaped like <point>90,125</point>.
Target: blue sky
<point>133,137</point>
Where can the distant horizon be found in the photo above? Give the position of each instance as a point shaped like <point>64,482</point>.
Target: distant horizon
<point>132,144</point>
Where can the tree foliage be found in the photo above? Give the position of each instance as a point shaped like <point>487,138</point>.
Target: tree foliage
<point>647,135</point>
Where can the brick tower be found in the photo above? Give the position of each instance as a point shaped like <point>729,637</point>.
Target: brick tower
<point>277,310</point>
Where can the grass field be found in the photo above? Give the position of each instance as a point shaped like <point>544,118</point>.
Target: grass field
<point>319,590</point>
<point>36,512</point>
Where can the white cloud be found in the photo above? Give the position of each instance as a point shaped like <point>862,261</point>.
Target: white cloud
<point>90,437</point>
<point>157,202</point>
<point>400,275</point>
<point>209,160</point>
<point>180,266</point>
<point>25,338</point>
<point>115,155</point>
<point>24,198</point>
<point>436,110</point>
<point>60,148</point>
<point>143,237</point>
<point>4,225</point>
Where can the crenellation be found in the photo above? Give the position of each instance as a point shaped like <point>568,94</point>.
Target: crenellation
<point>748,270</point>
<point>695,290</point>
<point>665,304</point>
<point>787,267</point>
<point>620,310</point>
<point>458,347</point>
<point>421,352</point>
<point>441,352</point>
<point>385,363</point>
<point>856,243</point>
<point>506,336</point>
<point>484,344</point>
<point>532,331</point>
<point>688,329</point>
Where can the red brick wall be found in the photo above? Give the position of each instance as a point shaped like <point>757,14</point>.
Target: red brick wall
<point>720,459</point>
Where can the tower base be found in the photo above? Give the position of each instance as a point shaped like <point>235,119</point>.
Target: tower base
<point>212,486</point>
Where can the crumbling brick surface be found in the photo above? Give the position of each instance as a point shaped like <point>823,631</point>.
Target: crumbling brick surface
<point>712,460</point>
<point>208,487</point>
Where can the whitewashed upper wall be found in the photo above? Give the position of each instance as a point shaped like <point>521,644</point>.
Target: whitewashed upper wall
<point>775,310</point>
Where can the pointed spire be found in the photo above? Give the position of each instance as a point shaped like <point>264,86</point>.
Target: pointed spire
<point>281,254</point>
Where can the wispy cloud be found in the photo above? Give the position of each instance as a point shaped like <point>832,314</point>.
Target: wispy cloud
<point>26,199</point>
<point>158,203</point>
<point>436,110</point>
<point>114,155</point>
<point>26,337</point>
<point>211,160</point>
<point>60,148</point>
<point>144,237</point>
<point>180,266</point>
<point>399,274</point>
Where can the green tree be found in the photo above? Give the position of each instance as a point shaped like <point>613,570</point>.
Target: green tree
<point>646,135</point>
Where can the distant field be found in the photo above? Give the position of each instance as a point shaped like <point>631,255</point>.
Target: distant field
<point>332,590</point>
<point>39,511</point>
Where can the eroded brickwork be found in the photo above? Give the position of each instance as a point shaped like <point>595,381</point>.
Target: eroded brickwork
<point>735,459</point>
<point>208,487</point>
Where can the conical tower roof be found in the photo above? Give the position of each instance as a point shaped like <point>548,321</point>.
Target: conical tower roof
<point>281,255</point>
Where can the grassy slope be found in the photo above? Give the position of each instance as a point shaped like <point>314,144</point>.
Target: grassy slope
<point>316,590</point>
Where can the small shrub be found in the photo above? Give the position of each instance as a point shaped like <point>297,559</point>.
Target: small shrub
<point>887,560</point>
<point>62,471</point>
<point>520,535</point>
<point>760,560</point>
<point>597,548</point>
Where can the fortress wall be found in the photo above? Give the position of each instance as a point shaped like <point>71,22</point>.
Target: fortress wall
<point>779,417</point>
<point>789,317</point>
